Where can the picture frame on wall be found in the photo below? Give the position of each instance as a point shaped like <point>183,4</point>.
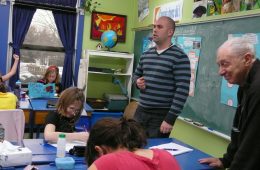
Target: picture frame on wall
<point>101,21</point>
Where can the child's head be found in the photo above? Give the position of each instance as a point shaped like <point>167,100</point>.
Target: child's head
<point>71,102</point>
<point>3,87</point>
<point>109,134</point>
<point>52,74</point>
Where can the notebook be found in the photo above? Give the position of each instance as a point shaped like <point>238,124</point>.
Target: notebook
<point>39,90</point>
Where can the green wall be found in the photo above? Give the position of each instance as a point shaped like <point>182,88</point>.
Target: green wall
<point>186,16</point>
<point>199,138</point>
<point>122,7</point>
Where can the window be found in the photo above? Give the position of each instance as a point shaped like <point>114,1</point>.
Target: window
<point>41,48</point>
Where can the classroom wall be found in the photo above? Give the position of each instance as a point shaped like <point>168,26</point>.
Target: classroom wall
<point>122,7</point>
<point>186,15</point>
<point>199,138</point>
<point>196,137</point>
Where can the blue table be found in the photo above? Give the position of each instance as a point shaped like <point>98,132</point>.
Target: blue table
<point>187,161</point>
<point>44,154</point>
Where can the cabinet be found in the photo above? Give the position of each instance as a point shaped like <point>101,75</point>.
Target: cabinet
<point>105,69</point>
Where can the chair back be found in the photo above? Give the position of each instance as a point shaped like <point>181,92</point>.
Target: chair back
<point>13,121</point>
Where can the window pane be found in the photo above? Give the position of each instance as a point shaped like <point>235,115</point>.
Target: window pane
<point>34,63</point>
<point>42,33</point>
<point>43,30</point>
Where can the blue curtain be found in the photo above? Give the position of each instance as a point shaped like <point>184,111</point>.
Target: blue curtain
<point>66,24</point>
<point>22,18</point>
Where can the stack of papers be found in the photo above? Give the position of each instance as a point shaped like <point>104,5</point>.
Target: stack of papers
<point>172,148</point>
<point>70,145</point>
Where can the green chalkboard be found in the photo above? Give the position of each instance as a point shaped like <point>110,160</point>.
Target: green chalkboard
<point>205,106</point>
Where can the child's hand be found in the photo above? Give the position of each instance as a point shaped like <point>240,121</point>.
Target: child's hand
<point>16,57</point>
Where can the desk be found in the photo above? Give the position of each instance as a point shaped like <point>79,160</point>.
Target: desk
<point>45,154</point>
<point>187,161</point>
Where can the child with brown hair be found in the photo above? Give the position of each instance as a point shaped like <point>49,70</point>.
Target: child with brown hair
<point>69,108</point>
<point>52,76</point>
<point>118,144</point>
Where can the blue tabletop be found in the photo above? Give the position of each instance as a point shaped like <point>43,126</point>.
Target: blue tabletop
<point>40,104</point>
<point>187,161</point>
<point>44,153</point>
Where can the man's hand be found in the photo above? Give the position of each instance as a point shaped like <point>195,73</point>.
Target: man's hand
<point>213,162</point>
<point>165,127</point>
<point>140,83</point>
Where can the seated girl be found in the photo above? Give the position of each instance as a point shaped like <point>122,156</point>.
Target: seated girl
<point>117,144</point>
<point>52,76</point>
<point>69,108</point>
<point>7,99</point>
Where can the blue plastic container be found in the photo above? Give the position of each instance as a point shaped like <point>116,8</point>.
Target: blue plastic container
<point>65,163</point>
<point>99,115</point>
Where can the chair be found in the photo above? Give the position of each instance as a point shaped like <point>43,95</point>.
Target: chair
<point>130,110</point>
<point>13,121</point>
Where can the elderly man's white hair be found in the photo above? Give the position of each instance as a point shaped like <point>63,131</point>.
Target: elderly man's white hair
<point>238,46</point>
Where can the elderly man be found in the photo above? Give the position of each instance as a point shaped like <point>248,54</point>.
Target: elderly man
<point>238,65</point>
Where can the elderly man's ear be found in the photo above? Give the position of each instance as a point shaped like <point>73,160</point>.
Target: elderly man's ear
<point>248,59</point>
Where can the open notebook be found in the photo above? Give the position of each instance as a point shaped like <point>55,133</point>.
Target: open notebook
<point>172,148</point>
<point>39,90</point>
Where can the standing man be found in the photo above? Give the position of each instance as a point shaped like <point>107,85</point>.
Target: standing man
<point>238,65</point>
<point>163,77</point>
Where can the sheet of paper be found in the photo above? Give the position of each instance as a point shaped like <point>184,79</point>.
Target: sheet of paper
<point>70,145</point>
<point>172,148</point>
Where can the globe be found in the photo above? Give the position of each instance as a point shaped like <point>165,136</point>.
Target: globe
<point>109,39</point>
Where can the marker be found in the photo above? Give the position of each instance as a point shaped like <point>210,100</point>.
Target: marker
<point>187,119</point>
<point>170,149</point>
<point>198,124</point>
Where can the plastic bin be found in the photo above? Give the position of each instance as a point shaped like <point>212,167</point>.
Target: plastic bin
<point>99,115</point>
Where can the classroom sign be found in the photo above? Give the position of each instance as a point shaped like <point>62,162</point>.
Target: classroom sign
<point>229,91</point>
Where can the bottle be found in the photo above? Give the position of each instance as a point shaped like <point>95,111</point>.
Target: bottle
<point>17,89</point>
<point>61,146</point>
<point>2,133</point>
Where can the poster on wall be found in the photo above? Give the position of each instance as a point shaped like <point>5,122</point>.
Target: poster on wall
<point>172,10</point>
<point>191,45</point>
<point>228,94</point>
<point>143,9</point>
<point>199,8</point>
<point>101,22</point>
